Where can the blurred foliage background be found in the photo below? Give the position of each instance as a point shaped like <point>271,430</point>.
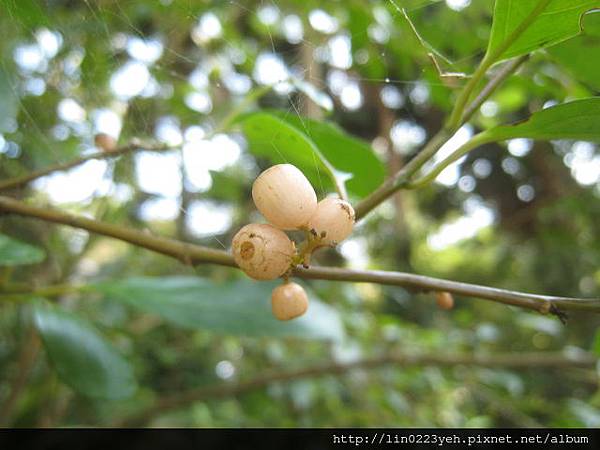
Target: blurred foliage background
<point>128,327</point>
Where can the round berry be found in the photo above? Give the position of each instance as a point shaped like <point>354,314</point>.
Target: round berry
<point>333,221</point>
<point>105,142</point>
<point>444,300</point>
<point>289,301</point>
<point>262,251</point>
<point>284,196</point>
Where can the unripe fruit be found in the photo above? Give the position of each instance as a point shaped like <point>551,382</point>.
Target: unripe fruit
<point>289,301</point>
<point>262,251</point>
<point>333,221</point>
<point>284,196</point>
<point>105,142</point>
<point>444,300</point>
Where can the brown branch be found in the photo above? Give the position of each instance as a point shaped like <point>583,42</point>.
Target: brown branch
<point>27,178</point>
<point>519,361</point>
<point>29,352</point>
<point>400,179</point>
<point>196,254</point>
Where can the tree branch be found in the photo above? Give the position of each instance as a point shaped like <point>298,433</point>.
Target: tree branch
<point>196,254</point>
<point>519,361</point>
<point>398,181</point>
<point>507,70</point>
<point>458,116</point>
<point>402,179</point>
<point>27,178</point>
<point>488,60</point>
<point>29,351</point>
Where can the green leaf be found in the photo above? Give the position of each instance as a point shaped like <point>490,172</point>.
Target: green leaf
<point>241,307</point>
<point>301,141</point>
<point>82,358</point>
<point>558,21</point>
<point>579,119</point>
<point>346,153</point>
<point>16,253</point>
<point>581,55</point>
<point>29,14</point>
<point>277,140</point>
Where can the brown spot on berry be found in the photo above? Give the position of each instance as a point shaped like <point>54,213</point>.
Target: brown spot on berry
<point>348,211</point>
<point>247,250</point>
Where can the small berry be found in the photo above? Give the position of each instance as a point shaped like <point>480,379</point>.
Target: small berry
<point>105,142</point>
<point>284,196</point>
<point>262,251</point>
<point>444,300</point>
<point>333,221</point>
<point>289,301</point>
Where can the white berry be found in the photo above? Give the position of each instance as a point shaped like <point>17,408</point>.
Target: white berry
<point>284,196</point>
<point>262,251</point>
<point>333,221</point>
<point>289,301</point>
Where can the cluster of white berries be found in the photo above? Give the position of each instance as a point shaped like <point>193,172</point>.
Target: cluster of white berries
<point>285,197</point>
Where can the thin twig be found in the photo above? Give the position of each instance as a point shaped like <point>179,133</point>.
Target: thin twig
<point>196,254</point>
<point>401,180</point>
<point>457,117</point>
<point>398,181</point>
<point>27,178</point>
<point>491,57</point>
<point>520,361</point>
<point>507,70</point>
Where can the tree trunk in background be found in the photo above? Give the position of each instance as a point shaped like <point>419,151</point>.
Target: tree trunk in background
<point>313,75</point>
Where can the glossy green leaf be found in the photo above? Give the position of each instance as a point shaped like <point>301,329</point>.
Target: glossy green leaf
<point>581,55</point>
<point>272,137</point>
<point>579,119</point>
<point>558,21</point>
<point>346,153</point>
<point>16,253</point>
<point>291,138</point>
<point>239,307</point>
<point>83,358</point>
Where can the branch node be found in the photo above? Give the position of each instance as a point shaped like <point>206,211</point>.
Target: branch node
<point>562,316</point>
<point>545,307</point>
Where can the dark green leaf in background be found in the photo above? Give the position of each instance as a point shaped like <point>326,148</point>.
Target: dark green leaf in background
<point>290,138</point>
<point>272,137</point>
<point>15,253</point>
<point>346,153</point>
<point>560,20</point>
<point>83,358</point>
<point>240,307</point>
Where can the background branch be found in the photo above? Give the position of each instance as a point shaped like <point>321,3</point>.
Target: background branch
<point>521,361</point>
<point>29,177</point>
<point>29,351</point>
<point>196,254</point>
